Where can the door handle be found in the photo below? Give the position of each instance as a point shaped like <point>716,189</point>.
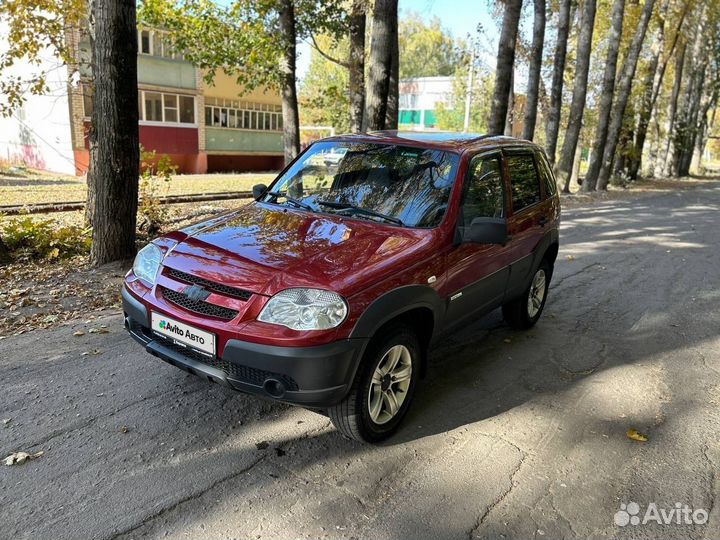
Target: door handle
<point>543,221</point>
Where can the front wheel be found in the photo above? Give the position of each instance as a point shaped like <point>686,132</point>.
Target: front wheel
<point>383,387</point>
<point>524,312</point>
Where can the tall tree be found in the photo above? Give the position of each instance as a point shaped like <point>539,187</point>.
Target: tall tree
<point>505,67</point>
<point>552,126</point>
<point>393,101</point>
<point>427,49</point>
<point>606,95</point>
<point>378,82</point>
<point>653,84</point>
<point>288,91</point>
<point>533,87</point>
<point>665,159</point>
<point>577,105</point>
<point>114,139</point>
<point>356,61</point>
<point>623,94</point>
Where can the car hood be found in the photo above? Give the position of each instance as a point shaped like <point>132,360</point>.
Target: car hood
<point>265,248</point>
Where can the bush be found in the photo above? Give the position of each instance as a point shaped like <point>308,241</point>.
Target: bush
<point>157,172</point>
<point>44,238</point>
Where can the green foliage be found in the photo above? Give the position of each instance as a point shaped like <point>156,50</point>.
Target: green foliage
<point>427,49</point>
<point>37,238</point>
<point>157,173</point>
<point>242,39</point>
<point>323,96</point>
<point>35,29</point>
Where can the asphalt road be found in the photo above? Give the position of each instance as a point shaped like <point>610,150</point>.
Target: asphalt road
<point>512,434</point>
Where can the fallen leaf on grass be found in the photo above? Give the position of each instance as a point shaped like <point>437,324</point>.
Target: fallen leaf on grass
<point>636,436</point>
<point>18,458</point>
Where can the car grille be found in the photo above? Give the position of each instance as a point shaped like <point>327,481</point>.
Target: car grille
<point>198,306</point>
<point>219,288</point>
<point>236,372</point>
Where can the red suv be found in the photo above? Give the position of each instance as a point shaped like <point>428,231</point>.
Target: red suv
<point>329,289</point>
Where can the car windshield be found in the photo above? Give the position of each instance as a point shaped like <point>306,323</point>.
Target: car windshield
<point>382,182</point>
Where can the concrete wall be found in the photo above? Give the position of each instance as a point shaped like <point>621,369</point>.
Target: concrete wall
<point>240,140</point>
<point>165,72</point>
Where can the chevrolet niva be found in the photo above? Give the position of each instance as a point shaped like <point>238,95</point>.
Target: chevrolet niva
<point>330,288</point>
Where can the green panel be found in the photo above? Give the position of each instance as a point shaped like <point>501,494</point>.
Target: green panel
<point>409,117</point>
<point>430,119</point>
<point>165,72</point>
<point>238,140</point>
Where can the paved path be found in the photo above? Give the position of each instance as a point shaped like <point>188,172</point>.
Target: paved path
<point>514,434</point>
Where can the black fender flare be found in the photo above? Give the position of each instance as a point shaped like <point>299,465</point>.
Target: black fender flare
<point>396,302</point>
<point>550,238</point>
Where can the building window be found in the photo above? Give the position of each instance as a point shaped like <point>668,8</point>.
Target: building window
<point>240,115</point>
<point>157,43</point>
<point>165,107</point>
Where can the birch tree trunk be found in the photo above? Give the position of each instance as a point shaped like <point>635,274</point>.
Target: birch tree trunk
<point>577,105</point>
<point>356,84</point>
<point>288,90</point>
<point>533,87</point>
<point>505,66</point>
<point>606,95</point>
<point>115,159</point>
<point>552,125</point>
<point>378,83</point>
<point>623,94</point>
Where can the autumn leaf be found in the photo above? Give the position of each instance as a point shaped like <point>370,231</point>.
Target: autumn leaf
<point>636,436</point>
<point>18,458</point>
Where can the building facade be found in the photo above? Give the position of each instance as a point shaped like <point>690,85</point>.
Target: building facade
<point>202,128</point>
<point>417,101</point>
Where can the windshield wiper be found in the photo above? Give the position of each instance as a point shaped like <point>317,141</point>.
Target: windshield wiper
<point>360,210</point>
<point>291,200</point>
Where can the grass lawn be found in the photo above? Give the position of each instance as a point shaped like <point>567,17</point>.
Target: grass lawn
<point>33,187</point>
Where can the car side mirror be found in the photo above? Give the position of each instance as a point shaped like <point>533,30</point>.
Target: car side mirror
<point>487,230</point>
<point>258,191</point>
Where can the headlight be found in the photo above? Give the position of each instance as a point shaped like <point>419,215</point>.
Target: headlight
<point>147,263</point>
<point>305,309</point>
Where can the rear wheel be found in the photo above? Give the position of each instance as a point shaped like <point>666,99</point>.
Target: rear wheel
<point>383,387</point>
<point>524,312</point>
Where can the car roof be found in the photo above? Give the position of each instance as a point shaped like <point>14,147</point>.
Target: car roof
<point>442,140</point>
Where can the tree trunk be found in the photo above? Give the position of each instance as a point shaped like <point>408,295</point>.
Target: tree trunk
<point>505,66</point>
<point>577,105</point>
<point>552,125</point>
<point>623,94</point>
<point>665,159</point>
<point>393,101</point>
<point>115,161</point>
<point>510,117</point>
<point>533,87</point>
<point>4,253</point>
<point>356,85</point>
<point>606,96</point>
<point>653,86</point>
<point>378,84</point>
<point>291,121</point>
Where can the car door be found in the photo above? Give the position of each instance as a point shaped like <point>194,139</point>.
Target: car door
<point>528,216</point>
<point>477,273</point>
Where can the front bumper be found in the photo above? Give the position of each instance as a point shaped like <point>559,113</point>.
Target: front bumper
<point>317,376</point>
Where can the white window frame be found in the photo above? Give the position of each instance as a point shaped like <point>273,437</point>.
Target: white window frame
<point>178,123</point>
<point>256,113</point>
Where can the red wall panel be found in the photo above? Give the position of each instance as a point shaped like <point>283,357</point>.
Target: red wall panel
<point>169,140</point>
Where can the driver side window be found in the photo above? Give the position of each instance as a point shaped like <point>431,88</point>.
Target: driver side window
<point>484,192</point>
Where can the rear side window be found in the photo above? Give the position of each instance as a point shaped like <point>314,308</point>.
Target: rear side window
<point>546,175</point>
<point>524,180</point>
<point>484,195</point>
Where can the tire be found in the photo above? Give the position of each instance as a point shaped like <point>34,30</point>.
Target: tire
<point>520,313</point>
<point>353,416</point>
